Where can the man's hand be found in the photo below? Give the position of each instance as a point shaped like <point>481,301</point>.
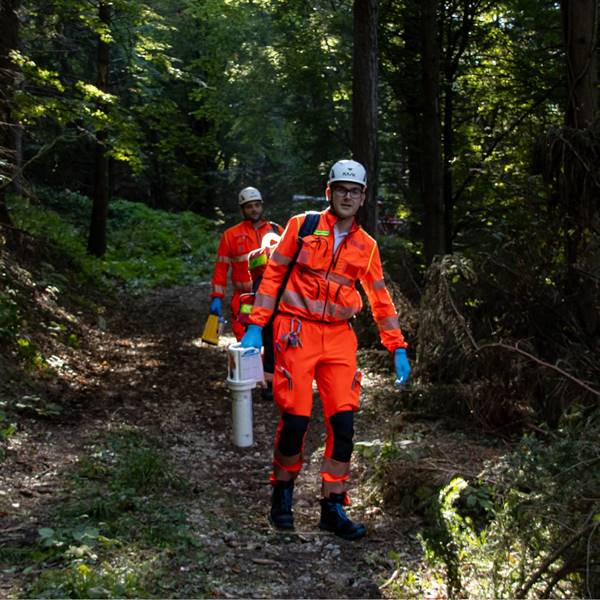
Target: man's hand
<point>402,366</point>
<point>216,307</point>
<point>252,338</point>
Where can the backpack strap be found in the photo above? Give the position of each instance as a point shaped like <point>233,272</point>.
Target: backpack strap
<point>309,224</point>
<point>311,220</point>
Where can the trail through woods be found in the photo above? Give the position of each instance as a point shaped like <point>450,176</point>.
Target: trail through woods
<point>147,368</point>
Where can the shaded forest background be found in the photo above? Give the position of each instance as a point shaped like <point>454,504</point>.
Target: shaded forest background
<point>127,129</point>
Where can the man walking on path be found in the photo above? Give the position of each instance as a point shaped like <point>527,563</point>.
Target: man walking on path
<point>235,245</point>
<point>314,341</point>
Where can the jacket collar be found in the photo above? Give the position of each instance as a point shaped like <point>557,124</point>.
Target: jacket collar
<point>331,220</point>
<point>260,225</point>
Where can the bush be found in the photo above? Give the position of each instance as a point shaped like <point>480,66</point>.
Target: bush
<point>146,248</point>
<point>530,525</point>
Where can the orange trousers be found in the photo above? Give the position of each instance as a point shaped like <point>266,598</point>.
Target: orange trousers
<point>325,352</point>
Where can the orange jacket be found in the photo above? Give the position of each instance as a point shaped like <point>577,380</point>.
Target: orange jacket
<point>322,286</point>
<point>235,245</point>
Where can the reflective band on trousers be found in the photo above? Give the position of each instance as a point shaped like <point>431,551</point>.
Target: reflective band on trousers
<point>335,468</point>
<point>289,463</point>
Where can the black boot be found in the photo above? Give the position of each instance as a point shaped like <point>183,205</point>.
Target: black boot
<point>334,518</point>
<point>281,505</point>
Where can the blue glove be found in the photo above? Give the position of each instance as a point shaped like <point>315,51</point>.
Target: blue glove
<point>253,337</point>
<point>216,307</point>
<point>402,366</point>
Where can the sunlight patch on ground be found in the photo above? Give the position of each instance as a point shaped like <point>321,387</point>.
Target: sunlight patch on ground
<point>225,340</point>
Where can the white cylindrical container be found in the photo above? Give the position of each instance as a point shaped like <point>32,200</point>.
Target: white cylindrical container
<point>242,411</point>
<point>244,364</point>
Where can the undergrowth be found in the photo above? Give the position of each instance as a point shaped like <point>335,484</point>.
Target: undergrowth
<point>526,526</point>
<point>146,248</point>
<point>120,533</point>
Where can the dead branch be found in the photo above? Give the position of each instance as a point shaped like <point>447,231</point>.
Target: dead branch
<point>478,348</point>
<point>539,361</point>
<point>522,591</point>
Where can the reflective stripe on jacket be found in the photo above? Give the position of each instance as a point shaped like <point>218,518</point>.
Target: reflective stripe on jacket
<point>235,245</point>
<point>322,285</point>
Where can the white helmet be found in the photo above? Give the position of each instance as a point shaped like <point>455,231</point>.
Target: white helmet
<point>348,170</point>
<point>249,194</point>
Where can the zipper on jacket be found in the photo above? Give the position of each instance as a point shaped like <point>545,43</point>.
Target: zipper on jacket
<point>332,264</point>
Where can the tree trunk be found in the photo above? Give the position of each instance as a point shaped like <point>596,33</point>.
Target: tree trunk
<point>9,38</point>
<point>364,104</point>
<point>97,237</point>
<point>433,185</point>
<point>580,18</point>
<point>407,87</point>
<point>447,165</point>
<point>578,190</point>
<point>579,21</point>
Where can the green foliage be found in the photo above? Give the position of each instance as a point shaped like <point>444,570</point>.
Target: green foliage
<point>121,531</point>
<point>150,248</point>
<point>10,317</point>
<point>526,527</point>
<point>147,248</point>
<point>80,580</point>
<point>7,429</point>
<point>65,236</point>
<point>31,355</point>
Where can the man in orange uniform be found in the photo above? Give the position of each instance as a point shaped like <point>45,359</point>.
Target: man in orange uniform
<point>315,341</point>
<point>235,245</point>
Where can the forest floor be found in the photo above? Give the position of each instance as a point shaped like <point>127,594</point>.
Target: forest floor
<point>141,365</point>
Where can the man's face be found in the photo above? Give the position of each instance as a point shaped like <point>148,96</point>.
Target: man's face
<point>346,199</point>
<point>253,211</point>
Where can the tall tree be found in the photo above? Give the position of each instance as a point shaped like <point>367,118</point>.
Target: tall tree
<point>457,23</point>
<point>364,103</point>
<point>580,27</point>
<point>9,36</point>
<point>432,171</point>
<point>97,235</point>
<point>574,166</point>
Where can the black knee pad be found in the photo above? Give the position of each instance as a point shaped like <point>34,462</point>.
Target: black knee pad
<point>292,434</point>
<point>342,424</point>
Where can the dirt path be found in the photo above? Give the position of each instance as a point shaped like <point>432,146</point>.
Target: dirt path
<point>149,369</point>
<point>251,559</point>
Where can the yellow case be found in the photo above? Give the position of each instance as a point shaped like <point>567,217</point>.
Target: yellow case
<point>210,335</point>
